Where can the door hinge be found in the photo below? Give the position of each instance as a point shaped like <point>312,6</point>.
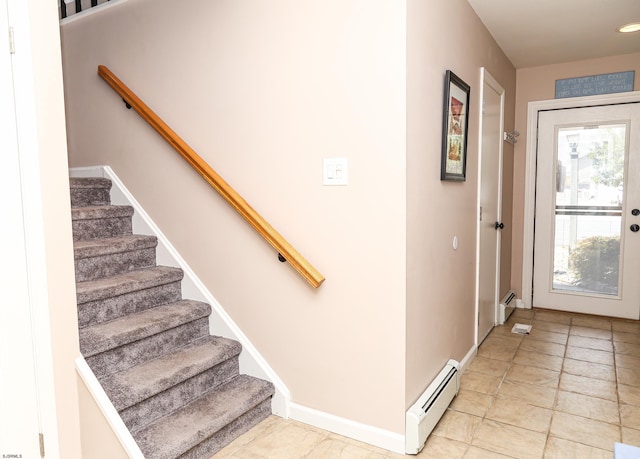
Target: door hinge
<point>41,439</point>
<point>12,43</point>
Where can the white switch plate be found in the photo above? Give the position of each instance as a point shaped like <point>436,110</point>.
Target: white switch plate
<point>335,171</point>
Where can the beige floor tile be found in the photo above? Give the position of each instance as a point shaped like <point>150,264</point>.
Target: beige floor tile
<point>627,348</point>
<point>590,343</point>
<point>628,376</point>
<point>588,407</point>
<point>478,453</point>
<point>520,414</point>
<point>503,331</point>
<point>552,316</point>
<point>491,367</point>
<point>532,375</point>
<point>591,322</point>
<point>589,369</point>
<point>551,326</point>
<point>290,442</point>
<point>590,332</point>
<point>331,447</point>
<point>589,355</point>
<point>626,337</point>
<point>360,444</point>
<point>626,326</point>
<point>479,382</point>
<point>543,347</point>
<point>588,386</point>
<point>498,348</point>
<point>629,395</point>
<point>457,426</point>
<point>509,440</point>
<point>471,402</point>
<point>627,361</point>
<point>558,448</point>
<point>546,335</point>
<point>535,359</point>
<point>521,313</point>
<point>586,431</point>
<point>443,447</point>
<point>630,416</point>
<point>631,436</point>
<point>541,396</point>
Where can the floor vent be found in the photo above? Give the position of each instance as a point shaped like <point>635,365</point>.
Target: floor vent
<point>507,306</point>
<point>423,416</point>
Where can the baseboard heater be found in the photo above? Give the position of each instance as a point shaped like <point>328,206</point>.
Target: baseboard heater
<point>507,305</point>
<point>423,415</point>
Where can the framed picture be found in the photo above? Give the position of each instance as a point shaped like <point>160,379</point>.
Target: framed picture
<point>454,128</point>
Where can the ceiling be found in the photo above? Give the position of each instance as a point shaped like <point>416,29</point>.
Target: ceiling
<point>541,32</point>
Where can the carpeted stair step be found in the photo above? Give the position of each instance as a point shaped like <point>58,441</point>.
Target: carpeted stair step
<point>89,191</point>
<point>158,387</point>
<point>96,258</point>
<point>106,299</point>
<point>100,221</point>
<point>204,426</point>
<point>119,344</point>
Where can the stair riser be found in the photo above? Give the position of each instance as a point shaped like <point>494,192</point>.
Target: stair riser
<point>123,357</point>
<point>99,228</point>
<point>145,412</point>
<point>82,197</point>
<point>98,311</point>
<point>112,264</point>
<point>230,432</point>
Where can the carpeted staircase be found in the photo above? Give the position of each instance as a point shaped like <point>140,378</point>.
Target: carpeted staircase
<point>177,388</point>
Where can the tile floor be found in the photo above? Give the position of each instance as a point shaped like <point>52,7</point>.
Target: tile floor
<point>569,389</point>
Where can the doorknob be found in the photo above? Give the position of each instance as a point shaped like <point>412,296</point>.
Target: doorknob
<point>634,228</point>
<point>500,225</point>
<point>635,212</point>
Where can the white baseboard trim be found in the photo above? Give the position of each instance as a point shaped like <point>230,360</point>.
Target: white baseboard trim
<point>108,410</point>
<point>220,323</point>
<point>347,428</point>
<point>521,304</point>
<point>467,359</point>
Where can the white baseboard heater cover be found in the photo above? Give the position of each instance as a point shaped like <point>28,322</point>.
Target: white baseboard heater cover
<point>507,306</point>
<point>425,413</point>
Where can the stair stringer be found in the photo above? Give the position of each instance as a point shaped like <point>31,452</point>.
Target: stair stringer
<point>220,323</point>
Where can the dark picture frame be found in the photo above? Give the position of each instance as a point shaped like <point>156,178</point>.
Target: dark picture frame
<point>455,126</point>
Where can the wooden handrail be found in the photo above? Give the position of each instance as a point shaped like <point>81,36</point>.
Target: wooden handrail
<point>274,238</point>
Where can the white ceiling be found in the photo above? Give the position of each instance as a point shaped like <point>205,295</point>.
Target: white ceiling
<point>541,32</point>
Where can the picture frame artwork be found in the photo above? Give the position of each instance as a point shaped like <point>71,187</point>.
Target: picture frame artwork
<point>455,125</point>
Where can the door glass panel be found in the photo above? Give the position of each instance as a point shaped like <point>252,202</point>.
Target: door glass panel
<point>588,208</point>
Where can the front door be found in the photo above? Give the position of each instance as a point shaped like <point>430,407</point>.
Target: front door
<point>588,211</point>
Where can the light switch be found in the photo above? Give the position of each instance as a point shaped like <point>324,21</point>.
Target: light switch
<point>335,171</point>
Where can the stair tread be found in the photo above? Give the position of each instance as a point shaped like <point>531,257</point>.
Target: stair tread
<point>102,211</point>
<point>126,282</point>
<point>104,336</point>
<point>142,381</point>
<point>89,182</point>
<point>111,245</point>
<point>175,434</point>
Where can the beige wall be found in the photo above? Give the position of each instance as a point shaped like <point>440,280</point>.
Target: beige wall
<point>441,281</point>
<point>538,83</point>
<point>97,437</point>
<point>264,90</point>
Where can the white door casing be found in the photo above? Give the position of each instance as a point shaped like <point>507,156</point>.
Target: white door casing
<point>489,204</point>
<point>530,171</point>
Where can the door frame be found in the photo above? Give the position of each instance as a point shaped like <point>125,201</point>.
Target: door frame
<point>530,170</point>
<point>487,78</point>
